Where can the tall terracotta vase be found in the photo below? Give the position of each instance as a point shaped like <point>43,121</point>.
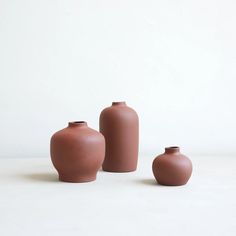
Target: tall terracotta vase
<point>77,152</point>
<point>120,126</point>
<point>172,167</point>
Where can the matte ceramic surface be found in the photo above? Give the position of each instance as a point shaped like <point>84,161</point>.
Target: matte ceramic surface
<point>34,204</point>
<point>120,126</point>
<point>77,152</point>
<point>172,167</point>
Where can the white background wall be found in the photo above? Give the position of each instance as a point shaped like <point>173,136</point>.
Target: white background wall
<point>173,61</point>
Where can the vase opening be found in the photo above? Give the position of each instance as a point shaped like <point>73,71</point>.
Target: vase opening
<point>77,123</point>
<point>172,149</point>
<point>118,103</point>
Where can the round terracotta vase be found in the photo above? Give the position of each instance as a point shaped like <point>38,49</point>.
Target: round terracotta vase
<point>77,152</point>
<point>172,167</point>
<point>120,126</point>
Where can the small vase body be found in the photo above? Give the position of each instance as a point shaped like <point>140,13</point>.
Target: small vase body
<point>120,126</point>
<point>172,167</point>
<point>77,152</point>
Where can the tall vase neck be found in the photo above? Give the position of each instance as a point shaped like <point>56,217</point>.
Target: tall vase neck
<point>77,124</point>
<point>172,150</point>
<point>118,103</point>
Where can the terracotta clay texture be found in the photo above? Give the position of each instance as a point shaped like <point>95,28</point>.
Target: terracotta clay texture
<point>172,167</point>
<point>120,126</point>
<point>77,152</point>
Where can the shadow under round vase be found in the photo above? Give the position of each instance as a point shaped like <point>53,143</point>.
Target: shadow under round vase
<point>77,152</point>
<point>172,168</point>
<point>120,126</point>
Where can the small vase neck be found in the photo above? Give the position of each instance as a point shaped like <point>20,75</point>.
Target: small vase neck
<point>172,150</point>
<point>77,124</point>
<point>118,104</point>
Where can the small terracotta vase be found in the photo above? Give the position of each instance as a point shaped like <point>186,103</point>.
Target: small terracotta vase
<point>172,167</point>
<point>120,126</point>
<point>77,152</point>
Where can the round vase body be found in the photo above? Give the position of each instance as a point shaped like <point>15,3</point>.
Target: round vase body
<point>172,168</point>
<point>77,152</point>
<point>120,126</point>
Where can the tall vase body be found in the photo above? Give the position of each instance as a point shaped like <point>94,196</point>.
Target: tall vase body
<point>172,167</point>
<point>120,126</point>
<point>77,152</point>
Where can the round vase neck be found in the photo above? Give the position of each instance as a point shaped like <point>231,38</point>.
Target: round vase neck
<point>78,124</point>
<point>172,150</point>
<point>119,103</point>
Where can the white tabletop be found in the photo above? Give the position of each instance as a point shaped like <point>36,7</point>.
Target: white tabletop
<point>34,202</point>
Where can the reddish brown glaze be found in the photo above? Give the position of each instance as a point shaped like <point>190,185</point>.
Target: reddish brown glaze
<point>172,167</point>
<point>77,152</point>
<point>120,126</point>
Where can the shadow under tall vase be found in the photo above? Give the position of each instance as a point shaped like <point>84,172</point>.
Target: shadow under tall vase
<point>77,152</point>
<point>120,126</point>
<point>172,167</point>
